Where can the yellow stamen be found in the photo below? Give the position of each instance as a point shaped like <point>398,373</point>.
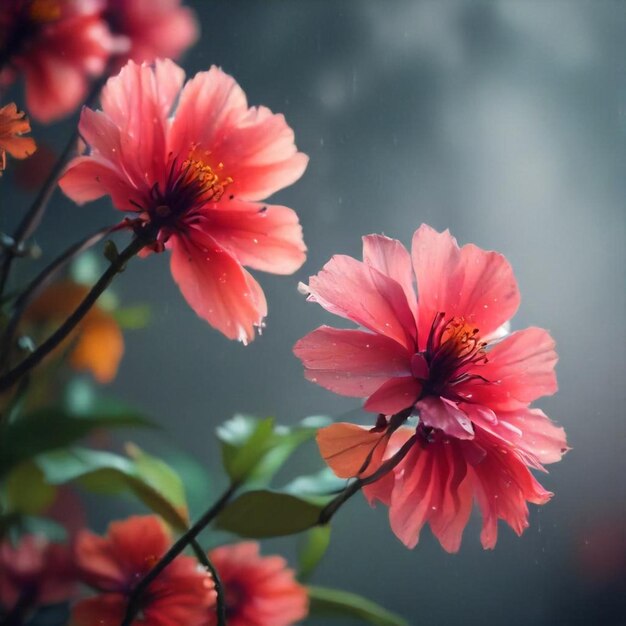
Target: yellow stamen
<point>212,185</point>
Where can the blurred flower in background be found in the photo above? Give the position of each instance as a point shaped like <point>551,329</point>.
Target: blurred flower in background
<point>260,591</point>
<point>154,28</point>
<point>57,46</point>
<point>34,572</point>
<point>97,344</point>
<point>112,565</point>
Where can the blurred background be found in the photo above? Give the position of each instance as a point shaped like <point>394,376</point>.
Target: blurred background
<point>503,121</point>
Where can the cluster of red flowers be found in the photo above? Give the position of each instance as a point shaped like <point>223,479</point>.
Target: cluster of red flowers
<point>259,591</point>
<point>57,46</point>
<point>191,164</point>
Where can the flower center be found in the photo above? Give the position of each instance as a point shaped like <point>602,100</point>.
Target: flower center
<point>189,185</point>
<point>453,347</point>
<point>200,173</point>
<point>235,595</point>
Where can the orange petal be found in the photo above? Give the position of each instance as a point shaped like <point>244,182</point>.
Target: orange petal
<point>346,447</point>
<point>99,348</point>
<point>99,340</point>
<point>13,123</point>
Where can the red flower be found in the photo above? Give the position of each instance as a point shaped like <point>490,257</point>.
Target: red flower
<point>445,357</point>
<point>35,572</point>
<point>13,124</point>
<point>260,591</point>
<point>182,594</point>
<point>197,179</point>
<point>58,45</point>
<point>154,28</point>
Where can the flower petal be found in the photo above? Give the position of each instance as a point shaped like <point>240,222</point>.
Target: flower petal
<point>468,282</point>
<point>432,486</point>
<point>156,28</point>
<point>104,610</point>
<point>89,178</point>
<point>215,285</point>
<point>361,293</point>
<point>394,396</point>
<point>392,259</point>
<point>503,485</point>
<point>210,104</point>
<point>138,101</point>
<point>446,416</point>
<point>539,435</point>
<point>99,348</point>
<point>351,362</point>
<point>381,490</point>
<point>346,448</point>
<point>263,237</point>
<point>254,146</point>
<point>520,369</point>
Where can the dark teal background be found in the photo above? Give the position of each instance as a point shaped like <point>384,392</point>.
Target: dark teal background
<point>503,121</point>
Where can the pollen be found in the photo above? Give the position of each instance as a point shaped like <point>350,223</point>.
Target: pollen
<point>211,182</point>
<point>453,347</point>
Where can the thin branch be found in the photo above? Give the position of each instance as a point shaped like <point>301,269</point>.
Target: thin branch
<point>40,281</point>
<point>334,505</point>
<point>117,265</point>
<point>33,217</point>
<point>220,608</point>
<point>183,541</point>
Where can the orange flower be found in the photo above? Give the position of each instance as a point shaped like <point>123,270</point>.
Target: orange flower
<point>98,343</point>
<point>13,124</point>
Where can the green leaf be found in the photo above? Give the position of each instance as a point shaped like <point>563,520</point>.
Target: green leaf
<point>255,449</point>
<point>26,490</point>
<point>313,548</point>
<point>245,441</point>
<point>148,478</point>
<point>332,602</point>
<point>154,471</point>
<point>52,428</point>
<point>81,399</point>
<point>133,317</point>
<point>263,513</point>
<point>321,483</point>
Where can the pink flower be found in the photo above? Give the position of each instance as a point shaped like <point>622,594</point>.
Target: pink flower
<point>260,591</point>
<point>35,572</point>
<point>154,28</point>
<point>445,357</point>
<point>197,181</point>
<point>182,594</point>
<point>58,45</point>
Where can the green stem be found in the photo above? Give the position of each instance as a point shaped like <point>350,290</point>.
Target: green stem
<point>117,265</point>
<point>38,283</point>
<point>183,541</point>
<point>220,609</point>
<point>334,505</point>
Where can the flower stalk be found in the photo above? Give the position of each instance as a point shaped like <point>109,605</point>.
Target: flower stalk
<point>186,539</point>
<point>30,222</point>
<point>116,266</point>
